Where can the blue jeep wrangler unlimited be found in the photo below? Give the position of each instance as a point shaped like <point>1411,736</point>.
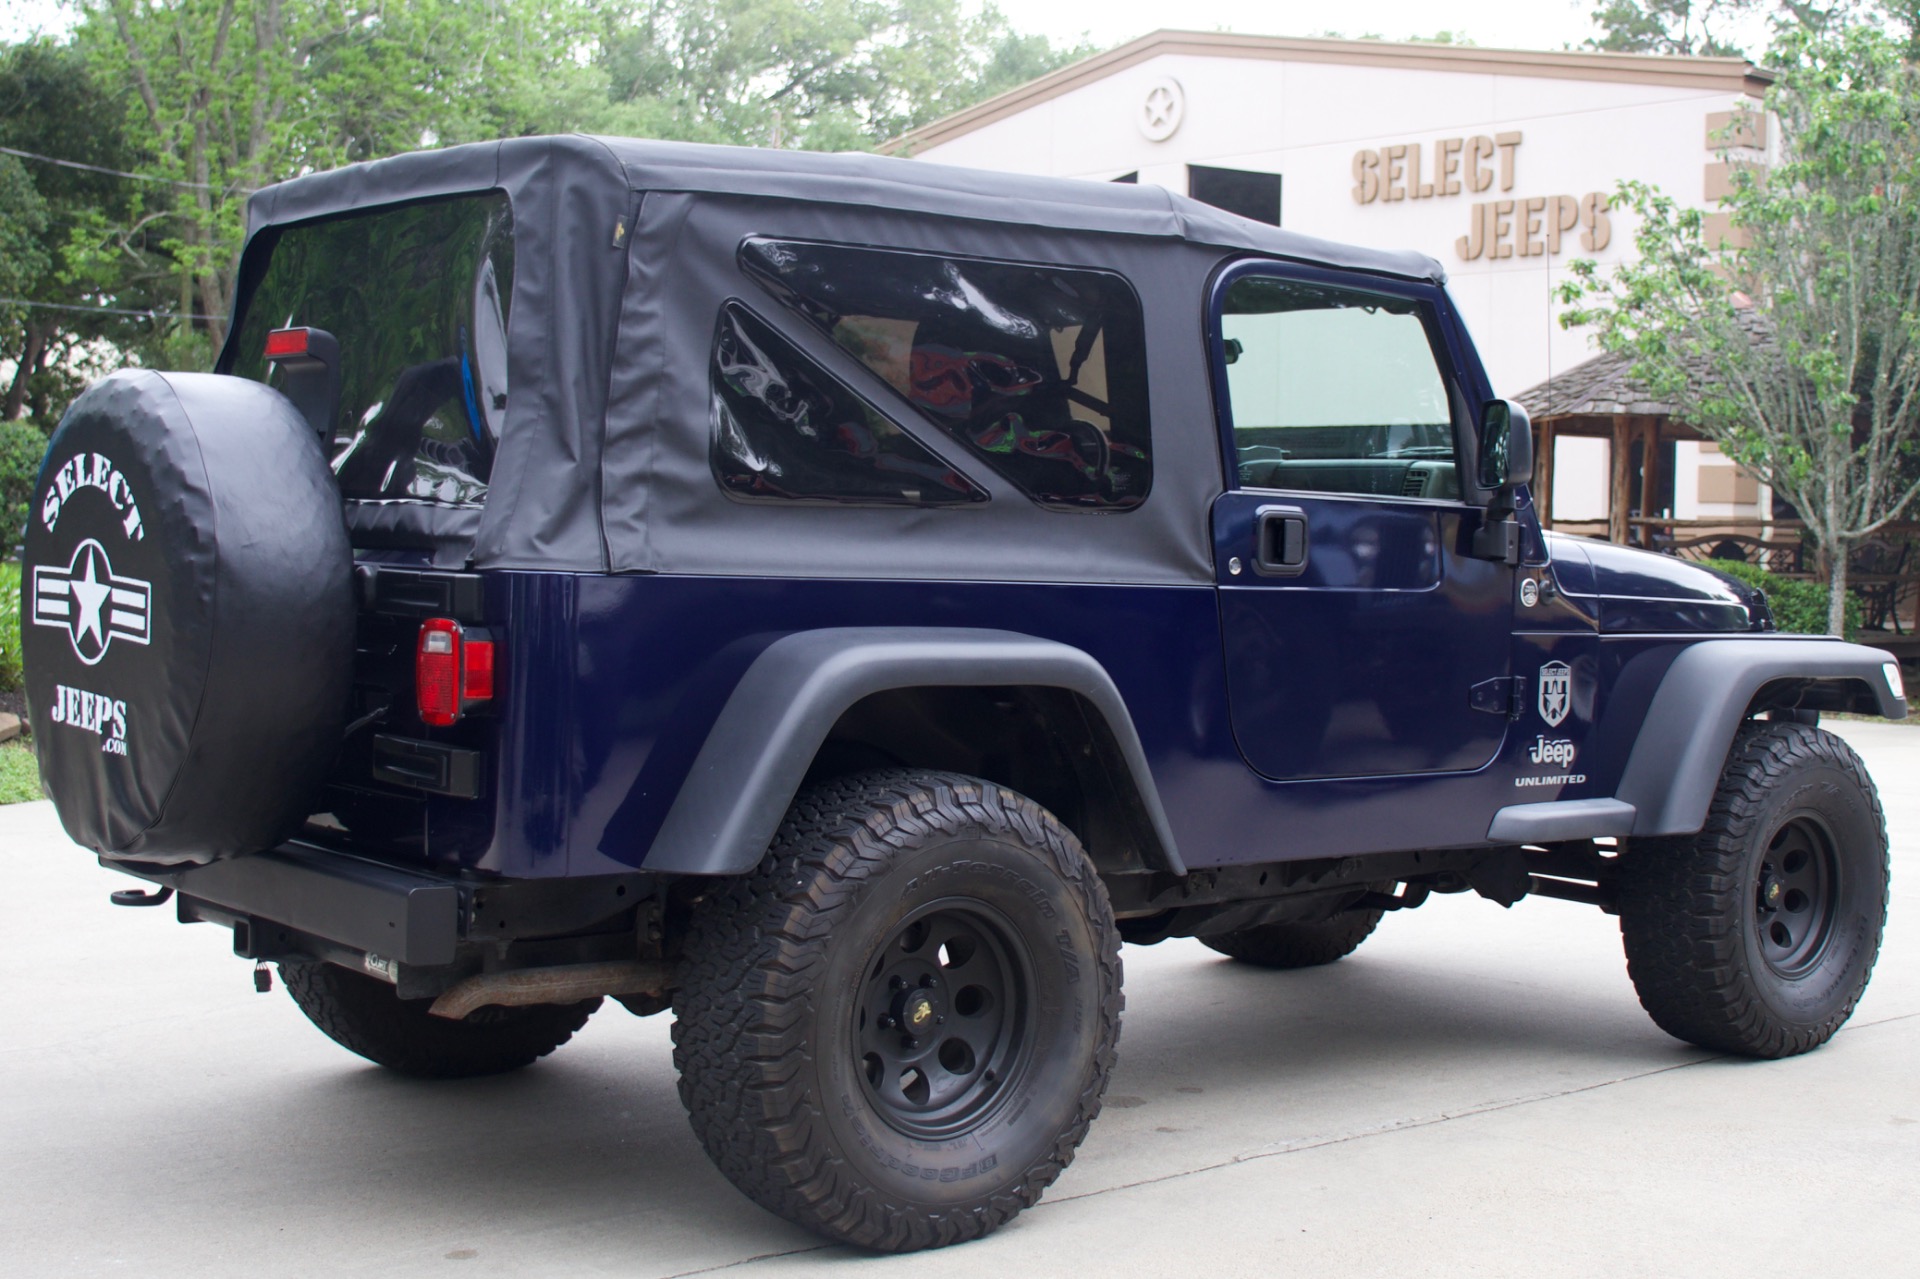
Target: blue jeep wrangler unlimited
<point>842,599</point>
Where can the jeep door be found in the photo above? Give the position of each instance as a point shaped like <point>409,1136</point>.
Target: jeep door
<point>1362,638</point>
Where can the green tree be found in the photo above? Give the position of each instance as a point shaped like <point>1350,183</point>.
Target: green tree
<point>818,74</point>
<point>1685,27</point>
<point>1706,28</point>
<point>24,261</point>
<point>230,95</point>
<point>1796,343</point>
<point>56,247</point>
<point>213,99</point>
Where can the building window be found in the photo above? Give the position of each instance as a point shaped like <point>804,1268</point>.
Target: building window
<point>785,429</point>
<point>1335,390</point>
<point>1039,371</point>
<point>1251,195</point>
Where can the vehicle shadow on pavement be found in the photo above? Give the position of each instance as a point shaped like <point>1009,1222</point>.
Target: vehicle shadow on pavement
<point>595,1136</point>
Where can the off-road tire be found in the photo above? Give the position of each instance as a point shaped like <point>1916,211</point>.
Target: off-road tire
<point>775,989</point>
<point>1694,915</point>
<point>1298,945</point>
<point>363,1014</point>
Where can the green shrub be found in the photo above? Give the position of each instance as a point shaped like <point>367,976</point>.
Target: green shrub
<point>9,626</point>
<point>1798,605</point>
<point>22,445</point>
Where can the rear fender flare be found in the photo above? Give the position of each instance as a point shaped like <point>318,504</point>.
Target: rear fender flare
<point>1683,743</point>
<point>770,729</point>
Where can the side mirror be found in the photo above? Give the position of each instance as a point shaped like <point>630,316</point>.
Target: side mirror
<point>1504,464</point>
<point>1506,449</point>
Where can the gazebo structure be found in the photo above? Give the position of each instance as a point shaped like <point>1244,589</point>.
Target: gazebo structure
<point>1730,514</point>
<point>1600,399</point>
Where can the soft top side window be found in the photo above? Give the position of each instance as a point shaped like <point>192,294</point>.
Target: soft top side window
<point>785,429</point>
<point>1039,371</point>
<point>418,296</point>
<point>1335,390</point>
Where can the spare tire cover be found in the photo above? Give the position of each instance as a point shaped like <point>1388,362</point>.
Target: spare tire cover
<point>186,617</point>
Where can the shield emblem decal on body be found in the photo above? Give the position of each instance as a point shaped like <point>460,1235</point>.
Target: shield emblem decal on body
<point>1556,692</point>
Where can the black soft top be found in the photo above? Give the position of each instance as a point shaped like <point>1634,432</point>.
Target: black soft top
<point>602,458</point>
<point>620,165</point>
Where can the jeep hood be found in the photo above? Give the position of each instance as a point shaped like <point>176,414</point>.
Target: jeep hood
<point>1631,591</point>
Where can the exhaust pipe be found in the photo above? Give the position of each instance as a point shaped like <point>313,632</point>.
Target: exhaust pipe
<point>568,984</point>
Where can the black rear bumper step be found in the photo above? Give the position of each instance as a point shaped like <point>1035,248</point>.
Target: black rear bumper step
<point>416,917</point>
<point>368,906</point>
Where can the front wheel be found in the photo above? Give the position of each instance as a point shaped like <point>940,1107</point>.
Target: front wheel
<point>1757,935</point>
<point>896,1030</point>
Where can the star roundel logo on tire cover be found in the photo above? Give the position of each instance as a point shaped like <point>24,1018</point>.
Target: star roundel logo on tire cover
<point>92,603</point>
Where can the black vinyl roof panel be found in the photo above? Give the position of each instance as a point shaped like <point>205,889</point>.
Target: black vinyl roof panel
<point>868,181</point>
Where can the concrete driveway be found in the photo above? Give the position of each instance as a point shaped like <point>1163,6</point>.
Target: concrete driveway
<point>1476,1091</point>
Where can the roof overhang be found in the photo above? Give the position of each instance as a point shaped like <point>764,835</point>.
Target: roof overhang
<point>1733,76</point>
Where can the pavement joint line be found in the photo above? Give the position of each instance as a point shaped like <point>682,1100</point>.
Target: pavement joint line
<point>748,1261</point>
<point>1380,1130</point>
<point>1313,1143</point>
<point>1409,1125</point>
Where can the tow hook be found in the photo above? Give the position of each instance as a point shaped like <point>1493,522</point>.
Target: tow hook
<point>139,896</point>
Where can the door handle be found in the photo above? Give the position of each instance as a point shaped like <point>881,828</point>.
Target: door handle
<point>1282,541</point>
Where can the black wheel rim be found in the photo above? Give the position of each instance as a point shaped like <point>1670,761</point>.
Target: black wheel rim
<point>1796,896</point>
<point>943,1025</point>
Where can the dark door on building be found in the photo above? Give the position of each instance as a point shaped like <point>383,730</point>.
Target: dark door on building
<point>1356,622</point>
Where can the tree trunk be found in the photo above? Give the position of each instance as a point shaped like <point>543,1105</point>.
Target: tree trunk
<point>28,365</point>
<point>1837,595</point>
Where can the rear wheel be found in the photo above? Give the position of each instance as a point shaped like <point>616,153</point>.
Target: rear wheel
<point>1298,945</point>
<point>896,1030</point>
<point>365,1015</point>
<point>1757,935</point>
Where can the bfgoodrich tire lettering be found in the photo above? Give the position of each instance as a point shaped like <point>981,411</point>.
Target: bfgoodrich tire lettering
<point>787,969</point>
<point>1757,935</point>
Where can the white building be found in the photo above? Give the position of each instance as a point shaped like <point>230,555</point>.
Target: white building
<point>1497,162</point>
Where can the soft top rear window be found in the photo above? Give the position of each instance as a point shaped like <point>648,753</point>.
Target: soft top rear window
<point>418,296</point>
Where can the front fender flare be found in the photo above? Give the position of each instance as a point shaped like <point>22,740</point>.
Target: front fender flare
<point>766,736</point>
<point>1683,743</point>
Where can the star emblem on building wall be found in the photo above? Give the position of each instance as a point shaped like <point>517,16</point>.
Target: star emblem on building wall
<point>1162,109</point>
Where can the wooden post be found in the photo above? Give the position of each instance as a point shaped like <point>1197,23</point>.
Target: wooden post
<point>1617,496</point>
<point>1543,475</point>
<point>1649,478</point>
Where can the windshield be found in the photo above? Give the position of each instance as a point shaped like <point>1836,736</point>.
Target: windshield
<point>418,297</point>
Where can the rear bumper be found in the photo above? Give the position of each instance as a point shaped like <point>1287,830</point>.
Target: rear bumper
<point>409,916</point>
<point>301,898</point>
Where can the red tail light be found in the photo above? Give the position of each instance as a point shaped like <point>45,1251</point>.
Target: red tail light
<point>284,343</point>
<point>476,671</point>
<point>452,671</point>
